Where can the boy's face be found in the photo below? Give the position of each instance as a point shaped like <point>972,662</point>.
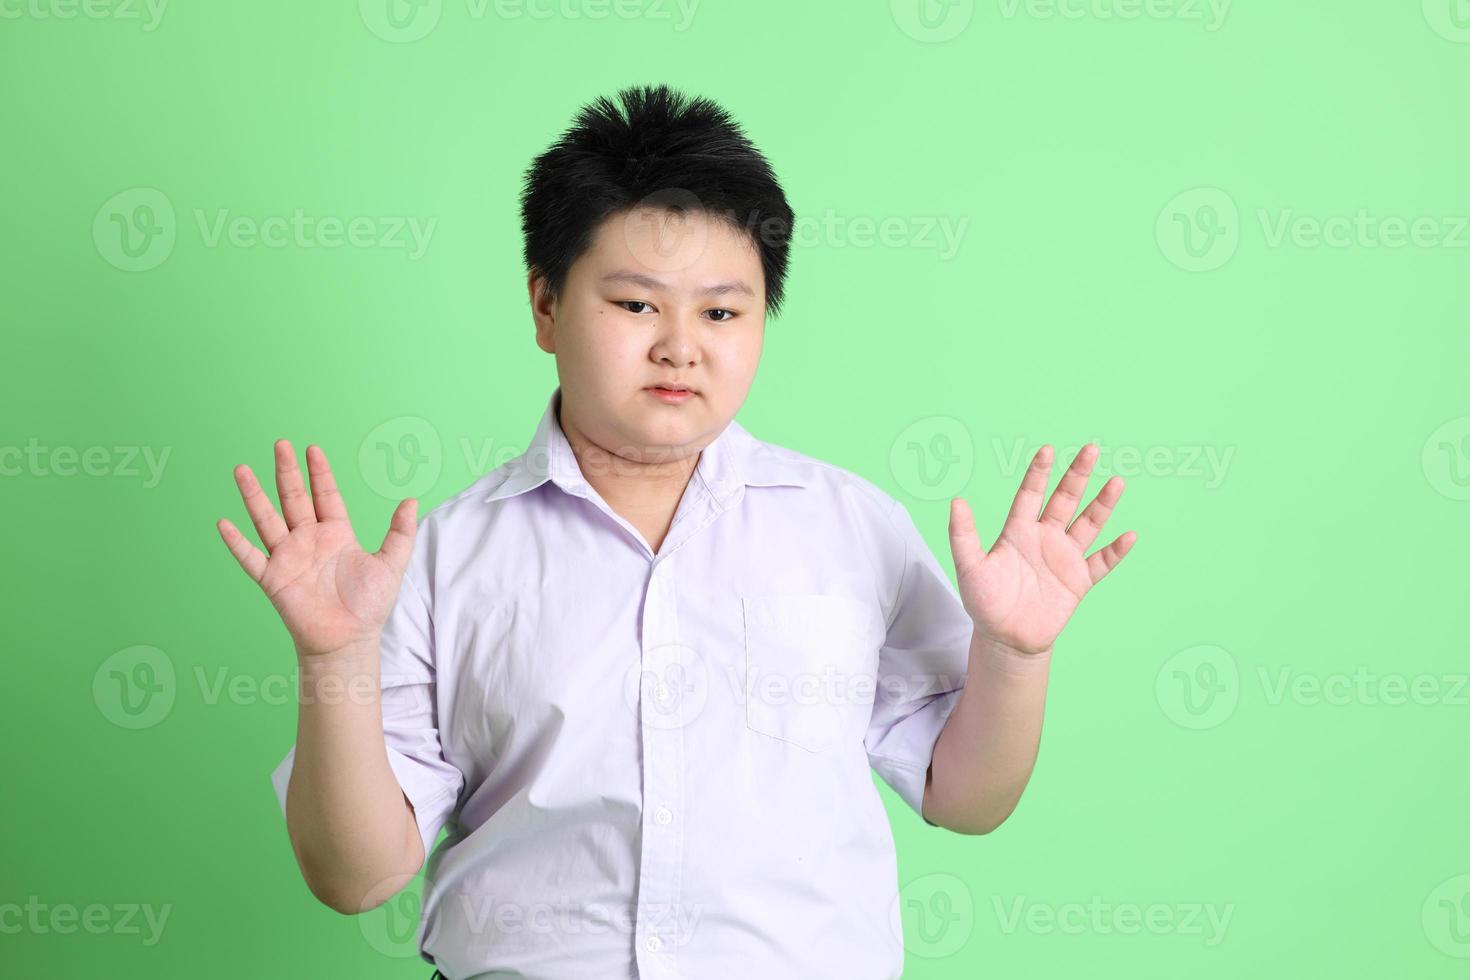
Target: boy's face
<point>660,298</point>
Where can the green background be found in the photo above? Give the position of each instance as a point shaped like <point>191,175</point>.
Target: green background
<point>1122,182</point>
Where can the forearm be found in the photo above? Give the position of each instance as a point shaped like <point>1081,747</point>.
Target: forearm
<point>985,754</point>
<point>351,826</point>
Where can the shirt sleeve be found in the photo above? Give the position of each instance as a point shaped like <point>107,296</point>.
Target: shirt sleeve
<point>921,667</point>
<point>410,722</point>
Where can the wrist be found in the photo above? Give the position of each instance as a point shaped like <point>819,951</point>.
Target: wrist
<point>350,675</point>
<point>986,650</point>
<point>354,656</point>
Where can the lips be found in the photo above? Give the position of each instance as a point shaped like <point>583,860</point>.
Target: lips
<point>671,394</point>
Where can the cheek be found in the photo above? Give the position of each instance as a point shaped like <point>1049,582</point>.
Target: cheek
<point>600,340</point>
<point>744,352</point>
<point>621,347</point>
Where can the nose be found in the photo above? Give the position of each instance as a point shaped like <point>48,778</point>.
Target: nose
<point>676,344</point>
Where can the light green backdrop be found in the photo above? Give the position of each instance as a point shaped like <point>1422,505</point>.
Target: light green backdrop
<point>1228,243</point>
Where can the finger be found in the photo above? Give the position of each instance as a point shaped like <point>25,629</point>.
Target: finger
<point>964,543</point>
<point>295,504</point>
<point>250,557</point>
<point>1062,506</point>
<point>1084,530</point>
<point>398,542</point>
<point>268,523</point>
<point>1027,503</point>
<point>324,493</point>
<point>1104,560</point>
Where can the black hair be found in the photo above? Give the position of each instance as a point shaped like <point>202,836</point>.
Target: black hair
<point>660,149</point>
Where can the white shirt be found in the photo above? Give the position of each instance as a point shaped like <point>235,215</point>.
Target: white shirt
<point>657,765</point>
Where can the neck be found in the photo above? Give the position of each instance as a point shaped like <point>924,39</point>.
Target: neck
<point>644,481</point>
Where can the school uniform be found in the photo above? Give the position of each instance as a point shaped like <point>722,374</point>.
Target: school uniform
<point>659,764</point>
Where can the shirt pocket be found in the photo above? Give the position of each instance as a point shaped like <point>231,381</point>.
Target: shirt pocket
<point>810,662</point>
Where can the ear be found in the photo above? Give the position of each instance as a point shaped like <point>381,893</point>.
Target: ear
<point>543,312</point>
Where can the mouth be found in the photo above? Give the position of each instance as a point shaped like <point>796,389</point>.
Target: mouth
<point>671,393</point>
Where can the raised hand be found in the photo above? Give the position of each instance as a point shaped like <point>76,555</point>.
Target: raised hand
<point>1023,590</point>
<point>329,592</point>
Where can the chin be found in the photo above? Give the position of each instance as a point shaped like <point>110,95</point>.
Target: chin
<point>670,425</point>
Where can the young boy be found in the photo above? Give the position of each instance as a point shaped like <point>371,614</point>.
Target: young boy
<point>641,672</point>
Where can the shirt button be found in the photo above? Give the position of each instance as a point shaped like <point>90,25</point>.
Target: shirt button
<point>663,815</point>
<point>661,692</point>
<point>653,944</point>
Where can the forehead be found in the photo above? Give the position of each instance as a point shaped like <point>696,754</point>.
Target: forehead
<point>687,251</point>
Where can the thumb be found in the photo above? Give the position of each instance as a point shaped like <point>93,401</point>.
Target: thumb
<point>398,542</point>
<point>964,543</point>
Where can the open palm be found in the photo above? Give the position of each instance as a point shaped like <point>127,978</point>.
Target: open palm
<point>329,592</point>
<point>1024,589</point>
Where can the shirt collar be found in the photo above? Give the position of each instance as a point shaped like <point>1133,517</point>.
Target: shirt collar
<point>734,460</point>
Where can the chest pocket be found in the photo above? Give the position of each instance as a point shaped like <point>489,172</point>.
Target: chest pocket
<point>810,662</point>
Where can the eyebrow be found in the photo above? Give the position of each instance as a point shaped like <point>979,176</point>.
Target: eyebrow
<point>649,282</point>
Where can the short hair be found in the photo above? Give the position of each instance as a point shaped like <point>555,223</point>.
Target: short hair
<point>659,148</point>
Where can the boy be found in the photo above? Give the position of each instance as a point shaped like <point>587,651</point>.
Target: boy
<point>641,672</point>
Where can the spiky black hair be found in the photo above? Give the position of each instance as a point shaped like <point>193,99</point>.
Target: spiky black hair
<point>661,148</point>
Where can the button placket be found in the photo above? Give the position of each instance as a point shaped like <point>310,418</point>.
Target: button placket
<point>661,732</point>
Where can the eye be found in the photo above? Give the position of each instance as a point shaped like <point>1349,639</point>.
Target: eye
<point>730,315</point>
<point>631,302</point>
